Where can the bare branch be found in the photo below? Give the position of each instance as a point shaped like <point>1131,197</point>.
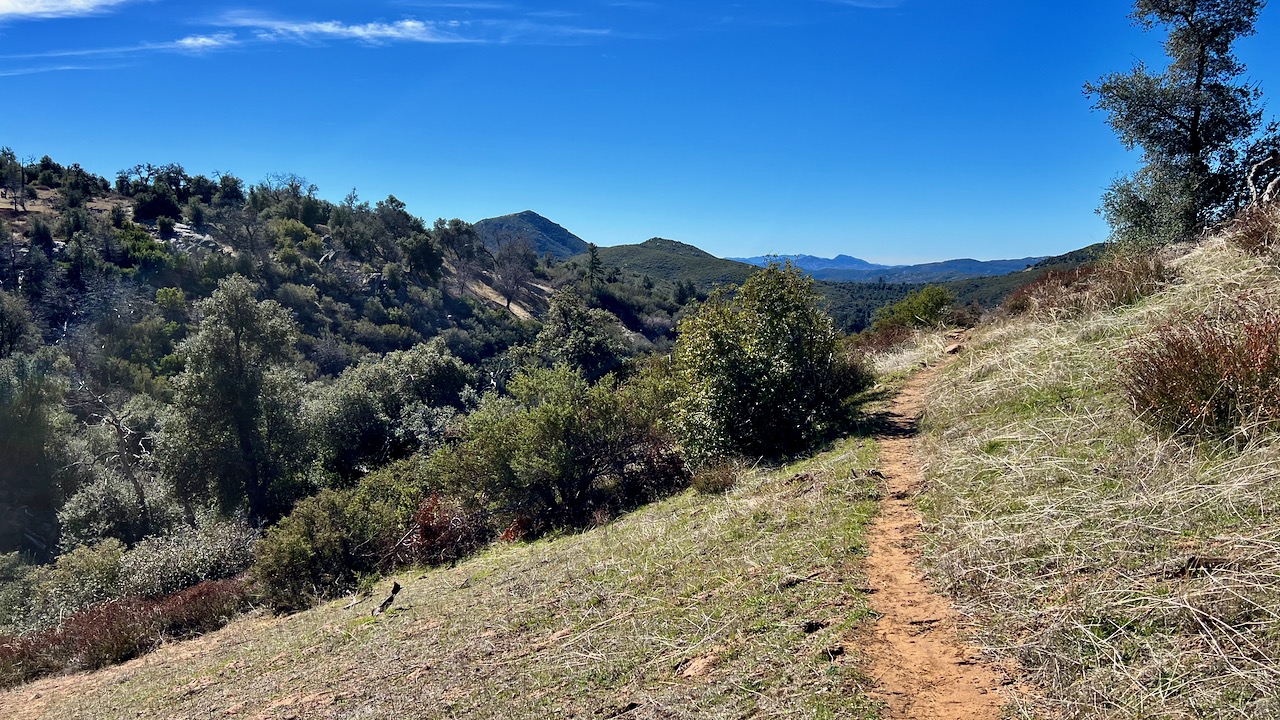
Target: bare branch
<point>1253,174</point>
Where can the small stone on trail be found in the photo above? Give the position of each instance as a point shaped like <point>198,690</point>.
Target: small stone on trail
<point>954,349</point>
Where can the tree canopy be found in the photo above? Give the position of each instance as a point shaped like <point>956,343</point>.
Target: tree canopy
<point>236,404</point>
<point>1199,126</point>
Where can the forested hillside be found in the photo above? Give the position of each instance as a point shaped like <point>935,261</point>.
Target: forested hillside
<point>203,380</point>
<point>136,315</point>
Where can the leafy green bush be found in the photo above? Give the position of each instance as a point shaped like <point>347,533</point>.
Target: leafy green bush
<point>78,579</point>
<point>385,409</point>
<point>560,451</point>
<point>15,592</point>
<point>587,339</point>
<point>158,566</point>
<point>329,542</point>
<point>165,225</point>
<point>109,506</point>
<point>762,372</point>
<point>17,333</point>
<point>309,554</point>
<point>925,307</point>
<point>333,540</point>
<point>141,250</point>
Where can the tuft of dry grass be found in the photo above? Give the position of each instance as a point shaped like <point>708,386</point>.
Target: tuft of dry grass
<point>1133,574</point>
<point>739,604</point>
<point>910,353</point>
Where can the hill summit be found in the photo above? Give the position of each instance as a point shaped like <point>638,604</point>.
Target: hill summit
<point>675,261</point>
<point>545,235</point>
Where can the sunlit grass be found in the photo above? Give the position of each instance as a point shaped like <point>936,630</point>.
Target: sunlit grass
<point>1134,575</point>
<point>738,604</point>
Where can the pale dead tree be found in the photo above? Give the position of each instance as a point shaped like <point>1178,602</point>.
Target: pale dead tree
<point>1270,193</point>
<point>514,262</point>
<point>130,451</point>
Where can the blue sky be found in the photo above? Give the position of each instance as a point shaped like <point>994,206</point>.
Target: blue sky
<point>892,130</point>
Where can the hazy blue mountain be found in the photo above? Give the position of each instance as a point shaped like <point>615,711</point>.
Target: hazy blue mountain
<point>844,268</point>
<point>546,236</point>
<point>929,272</point>
<point>811,263</point>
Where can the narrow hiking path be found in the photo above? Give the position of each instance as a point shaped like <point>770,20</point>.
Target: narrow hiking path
<point>922,668</point>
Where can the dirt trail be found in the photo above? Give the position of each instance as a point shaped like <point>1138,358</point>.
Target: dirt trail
<point>922,668</point>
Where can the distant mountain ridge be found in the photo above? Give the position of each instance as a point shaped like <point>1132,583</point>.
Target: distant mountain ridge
<point>813,263</point>
<point>546,236</point>
<point>677,261</point>
<point>844,268</point>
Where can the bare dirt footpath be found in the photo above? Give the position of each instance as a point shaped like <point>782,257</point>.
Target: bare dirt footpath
<point>922,667</point>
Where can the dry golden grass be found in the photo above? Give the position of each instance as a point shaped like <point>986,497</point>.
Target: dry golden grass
<point>1132,574</point>
<point>894,366</point>
<point>744,604</point>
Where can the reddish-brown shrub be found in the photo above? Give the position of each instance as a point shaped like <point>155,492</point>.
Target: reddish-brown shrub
<point>1208,377</point>
<point>25,658</point>
<point>879,339</point>
<point>203,608</point>
<point>1047,291</point>
<point>107,633</point>
<point>444,531</point>
<point>1119,281</point>
<point>119,630</point>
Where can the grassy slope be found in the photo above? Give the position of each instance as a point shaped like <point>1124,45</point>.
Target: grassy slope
<point>1068,525</point>
<point>744,604</point>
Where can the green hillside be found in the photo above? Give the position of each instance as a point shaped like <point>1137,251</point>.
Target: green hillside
<point>675,261</point>
<point>1131,568</point>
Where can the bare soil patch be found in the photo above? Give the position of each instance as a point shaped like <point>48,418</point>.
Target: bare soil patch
<point>922,667</point>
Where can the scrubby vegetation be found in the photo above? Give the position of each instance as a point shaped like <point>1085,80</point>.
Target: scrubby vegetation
<point>309,395</point>
<point>747,602</point>
<point>1212,377</point>
<point>1114,281</point>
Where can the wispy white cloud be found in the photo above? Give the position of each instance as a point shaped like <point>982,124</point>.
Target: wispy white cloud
<point>457,4</point>
<point>44,9</point>
<point>373,33</point>
<point>246,30</point>
<point>193,44</point>
<point>201,43</point>
<point>18,72</point>
<point>532,29</point>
